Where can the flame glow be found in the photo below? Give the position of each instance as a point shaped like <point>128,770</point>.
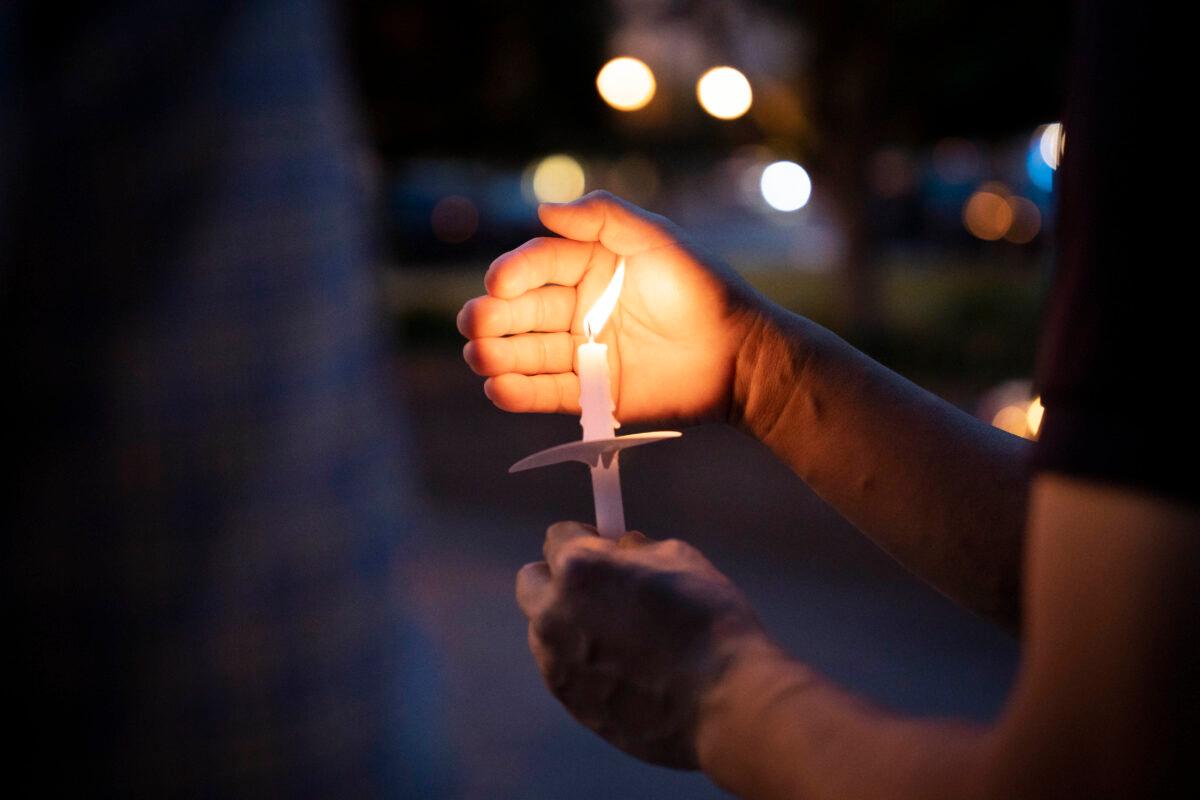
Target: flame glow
<point>598,314</point>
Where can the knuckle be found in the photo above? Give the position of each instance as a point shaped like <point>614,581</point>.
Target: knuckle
<point>542,394</point>
<point>540,313</point>
<point>673,548</point>
<point>673,545</point>
<point>521,254</point>
<point>562,394</point>
<point>528,571</point>
<point>512,356</point>
<point>632,539</point>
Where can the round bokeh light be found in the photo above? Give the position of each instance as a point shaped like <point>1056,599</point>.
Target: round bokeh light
<point>724,92</point>
<point>558,179</point>
<point>785,186</point>
<point>626,83</point>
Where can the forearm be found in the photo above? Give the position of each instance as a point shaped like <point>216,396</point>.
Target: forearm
<point>773,729</point>
<point>939,490</point>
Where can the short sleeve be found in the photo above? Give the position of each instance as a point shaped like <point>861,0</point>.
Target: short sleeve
<point>1118,358</point>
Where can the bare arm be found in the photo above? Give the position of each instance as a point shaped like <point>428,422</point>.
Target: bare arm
<point>942,492</point>
<point>773,728</point>
<point>1103,707</point>
<point>654,649</point>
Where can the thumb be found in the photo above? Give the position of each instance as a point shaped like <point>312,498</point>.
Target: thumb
<point>615,223</point>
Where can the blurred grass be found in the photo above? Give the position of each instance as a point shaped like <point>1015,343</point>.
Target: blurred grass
<point>965,326</point>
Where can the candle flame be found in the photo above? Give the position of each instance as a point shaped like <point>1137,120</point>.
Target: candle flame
<point>598,314</point>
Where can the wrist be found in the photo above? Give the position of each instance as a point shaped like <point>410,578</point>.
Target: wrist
<point>733,725</point>
<point>769,368</point>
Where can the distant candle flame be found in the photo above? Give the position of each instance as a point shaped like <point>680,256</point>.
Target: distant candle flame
<point>598,314</point>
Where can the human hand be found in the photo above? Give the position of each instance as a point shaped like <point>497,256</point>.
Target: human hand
<point>629,635</point>
<point>674,336</point>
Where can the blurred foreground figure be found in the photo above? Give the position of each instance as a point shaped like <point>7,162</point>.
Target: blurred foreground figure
<point>204,496</point>
<point>1088,543</point>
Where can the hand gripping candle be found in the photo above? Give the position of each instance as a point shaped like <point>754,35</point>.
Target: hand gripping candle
<point>597,404</point>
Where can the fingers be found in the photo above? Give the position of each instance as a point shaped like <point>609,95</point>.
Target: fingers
<point>533,585</point>
<point>556,393</point>
<point>524,354</point>
<point>539,262</point>
<point>549,308</point>
<point>564,538</point>
<point>633,539</point>
<point>617,224</point>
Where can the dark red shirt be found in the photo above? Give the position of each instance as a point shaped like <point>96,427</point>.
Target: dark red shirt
<point>1119,349</point>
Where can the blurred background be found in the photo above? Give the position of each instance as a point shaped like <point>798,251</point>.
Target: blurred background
<point>886,169</point>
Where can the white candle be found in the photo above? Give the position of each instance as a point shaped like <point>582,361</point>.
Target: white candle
<point>596,402</point>
<point>595,392</point>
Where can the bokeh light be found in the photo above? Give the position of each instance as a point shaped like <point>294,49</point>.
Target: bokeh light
<point>724,93</point>
<point>1033,416</point>
<point>1038,170</point>
<point>1026,220</point>
<point>987,214</point>
<point>454,219</point>
<point>785,186</point>
<point>626,83</point>
<point>1051,144</point>
<point>1012,420</point>
<point>558,179</point>
<point>1022,418</point>
<point>744,169</point>
<point>1045,152</point>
